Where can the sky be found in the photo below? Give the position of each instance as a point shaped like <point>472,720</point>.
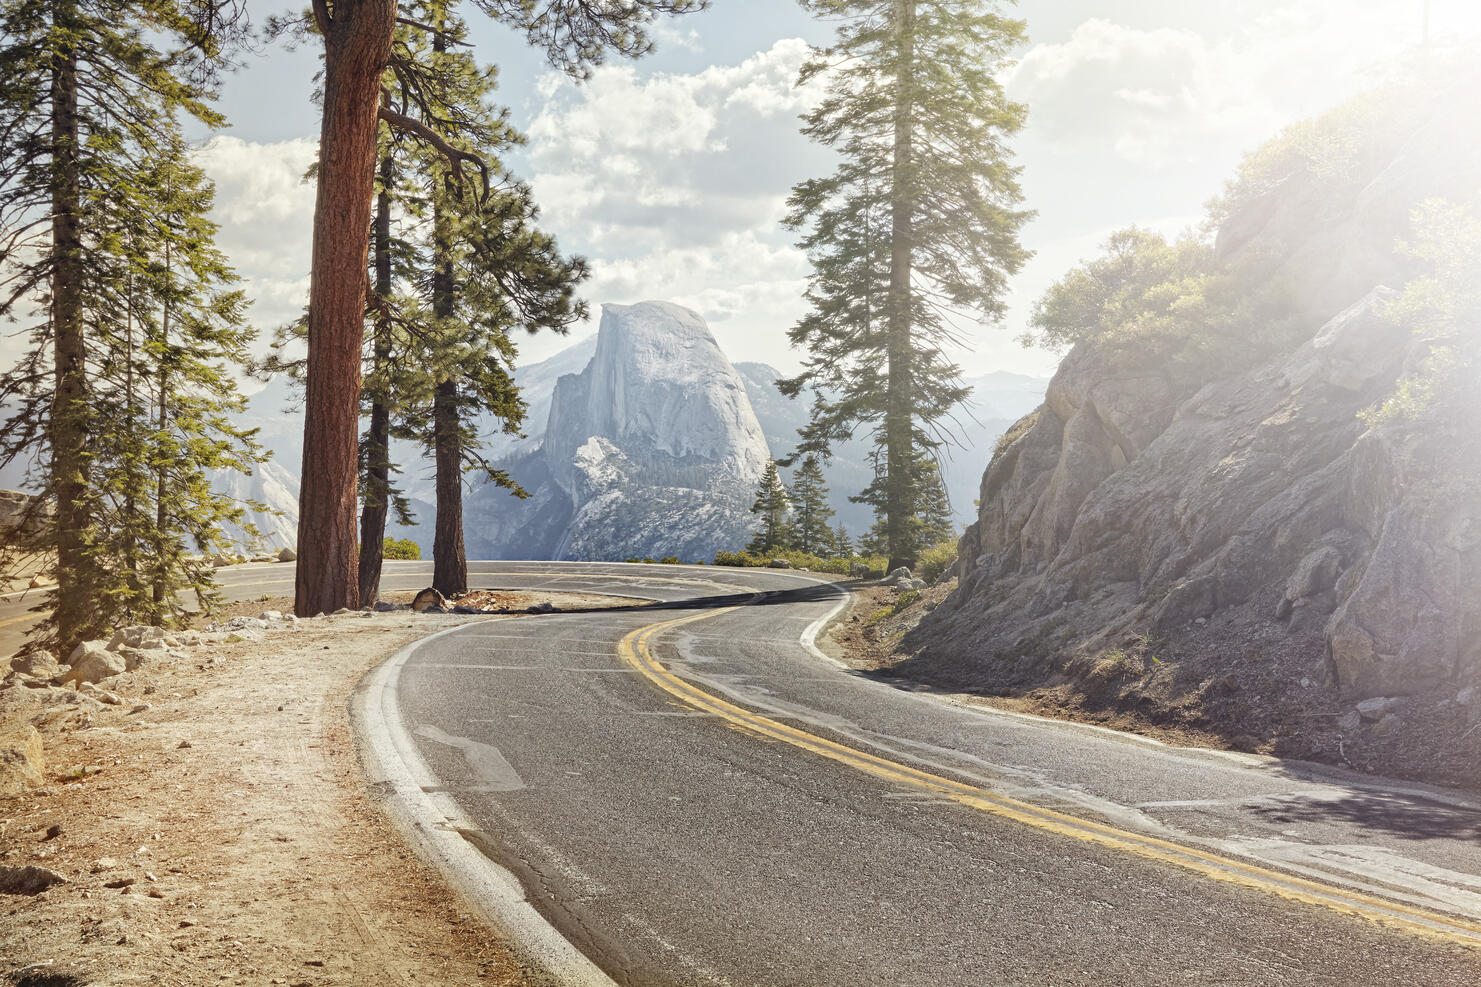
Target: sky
<point>670,173</point>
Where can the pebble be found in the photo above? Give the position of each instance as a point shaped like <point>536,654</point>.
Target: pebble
<point>53,831</point>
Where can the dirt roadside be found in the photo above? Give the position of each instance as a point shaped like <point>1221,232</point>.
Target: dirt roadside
<point>1180,698</point>
<point>215,828</point>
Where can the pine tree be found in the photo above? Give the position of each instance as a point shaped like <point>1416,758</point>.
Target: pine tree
<point>773,507</point>
<point>809,497</point>
<point>840,545</point>
<point>918,222</point>
<point>95,244</point>
<point>489,271</point>
<point>359,46</point>
<point>932,506</point>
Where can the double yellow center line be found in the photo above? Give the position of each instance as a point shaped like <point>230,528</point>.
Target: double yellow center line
<point>635,650</point>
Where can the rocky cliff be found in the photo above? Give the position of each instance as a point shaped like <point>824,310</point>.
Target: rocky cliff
<point>652,449</point>
<point>1236,549</point>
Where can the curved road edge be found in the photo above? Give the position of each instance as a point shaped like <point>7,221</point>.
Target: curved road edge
<point>434,825</point>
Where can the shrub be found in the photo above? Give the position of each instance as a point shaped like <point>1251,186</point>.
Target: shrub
<point>670,560</point>
<point>800,560</point>
<point>904,600</point>
<point>401,548</point>
<point>936,560</point>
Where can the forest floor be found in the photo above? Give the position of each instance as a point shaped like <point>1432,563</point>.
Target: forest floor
<point>216,828</point>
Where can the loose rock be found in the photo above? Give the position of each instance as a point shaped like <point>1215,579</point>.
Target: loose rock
<point>427,599</point>
<point>91,661</point>
<point>28,880</point>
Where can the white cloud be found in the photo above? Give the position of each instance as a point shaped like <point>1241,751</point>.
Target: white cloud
<point>1161,96</point>
<point>266,213</point>
<point>674,187</point>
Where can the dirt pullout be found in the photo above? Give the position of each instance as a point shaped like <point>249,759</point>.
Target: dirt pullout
<point>215,828</point>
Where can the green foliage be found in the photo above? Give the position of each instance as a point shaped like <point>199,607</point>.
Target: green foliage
<point>936,560</point>
<point>801,560</point>
<point>154,316</point>
<point>772,506</point>
<point>1443,305</point>
<point>400,548</point>
<point>917,224</point>
<point>904,600</point>
<point>1147,299</point>
<point>809,497</point>
<point>670,560</point>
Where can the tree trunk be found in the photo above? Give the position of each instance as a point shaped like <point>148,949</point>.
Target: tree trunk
<point>898,437</point>
<point>161,569</point>
<point>378,438</point>
<point>69,413</point>
<point>357,46</point>
<point>449,562</point>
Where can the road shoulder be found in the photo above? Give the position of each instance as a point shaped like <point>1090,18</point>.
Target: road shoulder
<point>224,833</point>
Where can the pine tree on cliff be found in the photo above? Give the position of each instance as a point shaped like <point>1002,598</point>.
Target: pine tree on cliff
<point>90,92</point>
<point>918,224</point>
<point>772,506</point>
<point>809,497</point>
<point>359,45</point>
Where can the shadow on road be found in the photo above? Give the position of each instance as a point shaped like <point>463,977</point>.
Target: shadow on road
<point>761,598</point>
<point>1404,817</point>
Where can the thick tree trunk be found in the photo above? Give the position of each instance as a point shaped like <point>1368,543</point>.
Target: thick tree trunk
<point>357,46</point>
<point>449,562</point>
<point>378,438</point>
<point>161,569</point>
<point>69,413</point>
<point>898,433</point>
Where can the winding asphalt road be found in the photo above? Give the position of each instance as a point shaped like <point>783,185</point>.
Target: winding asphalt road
<point>693,796</point>
<point>690,794</point>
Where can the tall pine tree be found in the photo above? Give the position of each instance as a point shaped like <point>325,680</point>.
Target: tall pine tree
<point>772,506</point>
<point>358,38</point>
<point>918,224</point>
<point>488,272</point>
<point>809,496</point>
<point>90,96</point>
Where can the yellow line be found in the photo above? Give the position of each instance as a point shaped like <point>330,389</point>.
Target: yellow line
<point>16,620</point>
<point>635,651</point>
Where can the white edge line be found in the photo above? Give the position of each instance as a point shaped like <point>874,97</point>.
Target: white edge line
<point>430,823</point>
<point>809,641</point>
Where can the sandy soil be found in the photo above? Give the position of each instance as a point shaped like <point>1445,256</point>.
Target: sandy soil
<point>216,828</point>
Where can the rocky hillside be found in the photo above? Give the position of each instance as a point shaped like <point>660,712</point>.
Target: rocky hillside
<point>652,449</point>
<point>1229,546</point>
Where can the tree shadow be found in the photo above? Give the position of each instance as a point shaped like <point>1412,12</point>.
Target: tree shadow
<point>1406,817</point>
<point>761,598</point>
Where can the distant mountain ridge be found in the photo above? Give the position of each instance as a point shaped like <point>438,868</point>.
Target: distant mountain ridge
<point>658,410</point>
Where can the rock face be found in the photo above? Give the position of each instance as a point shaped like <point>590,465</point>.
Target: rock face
<point>1252,519</point>
<point>21,517</point>
<point>652,448</point>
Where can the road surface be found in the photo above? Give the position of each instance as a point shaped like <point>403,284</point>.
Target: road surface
<point>690,795</point>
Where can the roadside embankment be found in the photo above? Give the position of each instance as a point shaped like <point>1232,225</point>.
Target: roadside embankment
<point>207,813</point>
